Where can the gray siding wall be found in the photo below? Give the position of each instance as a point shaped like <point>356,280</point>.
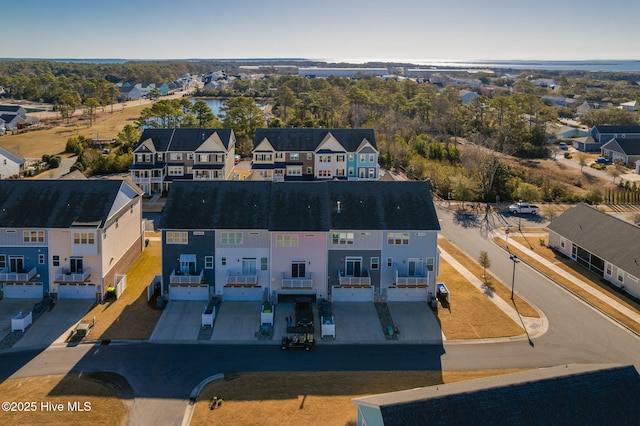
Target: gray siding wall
<point>200,245</point>
<point>336,263</point>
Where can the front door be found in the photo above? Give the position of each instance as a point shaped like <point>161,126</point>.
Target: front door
<point>353,266</point>
<point>248,267</point>
<point>76,265</point>
<point>415,268</point>
<point>298,269</point>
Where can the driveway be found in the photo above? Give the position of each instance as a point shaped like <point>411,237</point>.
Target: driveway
<point>55,325</point>
<point>416,322</point>
<point>238,322</point>
<point>181,320</point>
<point>357,322</point>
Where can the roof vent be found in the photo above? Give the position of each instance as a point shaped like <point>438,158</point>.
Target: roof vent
<point>339,205</point>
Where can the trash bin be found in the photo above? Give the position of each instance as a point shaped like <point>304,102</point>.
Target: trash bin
<point>160,302</point>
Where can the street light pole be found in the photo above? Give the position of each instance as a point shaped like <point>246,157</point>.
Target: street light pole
<point>514,258</point>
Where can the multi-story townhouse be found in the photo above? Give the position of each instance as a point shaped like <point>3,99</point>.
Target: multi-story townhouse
<point>315,154</point>
<point>65,238</point>
<point>332,239</point>
<point>163,156</point>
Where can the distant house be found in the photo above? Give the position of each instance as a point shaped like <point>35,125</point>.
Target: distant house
<point>13,109</point>
<point>77,235</point>
<point>555,100</point>
<point>283,154</point>
<point>599,394</point>
<point>163,156</point>
<point>626,150</point>
<point>129,93</point>
<point>467,95</point>
<point>3,128</point>
<point>601,134</point>
<point>340,72</point>
<point>545,82</point>
<point>630,106</point>
<point>566,132</point>
<point>600,242</point>
<point>10,164</point>
<point>13,121</point>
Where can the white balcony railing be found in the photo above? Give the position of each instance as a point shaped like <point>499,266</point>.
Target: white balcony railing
<point>304,282</point>
<point>242,279</point>
<point>178,277</point>
<point>22,276</point>
<point>346,280</point>
<point>422,279</point>
<point>66,276</point>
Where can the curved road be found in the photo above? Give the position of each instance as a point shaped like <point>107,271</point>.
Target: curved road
<point>163,375</point>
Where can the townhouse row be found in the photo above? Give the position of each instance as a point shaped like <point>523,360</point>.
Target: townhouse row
<point>164,156</point>
<point>67,238</point>
<point>347,241</point>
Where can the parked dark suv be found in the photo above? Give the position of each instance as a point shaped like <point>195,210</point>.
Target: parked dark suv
<point>304,312</point>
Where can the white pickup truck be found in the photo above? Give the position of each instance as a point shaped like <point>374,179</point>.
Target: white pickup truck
<point>522,207</point>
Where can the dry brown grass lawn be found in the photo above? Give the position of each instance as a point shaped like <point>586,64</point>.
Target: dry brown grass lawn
<point>33,144</point>
<point>106,407</point>
<point>493,284</point>
<point>309,398</point>
<point>130,317</point>
<point>573,269</point>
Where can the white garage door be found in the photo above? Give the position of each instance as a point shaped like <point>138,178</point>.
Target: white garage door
<point>76,291</point>
<point>186,292</point>
<point>23,291</point>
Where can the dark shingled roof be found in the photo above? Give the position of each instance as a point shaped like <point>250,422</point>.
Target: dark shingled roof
<point>606,236</point>
<point>629,128</point>
<point>293,140</point>
<point>183,139</point>
<point>629,146</point>
<point>299,206</point>
<point>55,203</point>
<point>574,395</point>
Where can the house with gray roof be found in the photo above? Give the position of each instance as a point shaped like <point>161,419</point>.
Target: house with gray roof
<point>570,394</point>
<point>601,134</point>
<point>67,238</point>
<point>600,242</point>
<point>163,156</point>
<point>624,149</point>
<point>13,109</point>
<point>11,165</point>
<point>12,121</point>
<point>283,154</point>
<point>338,240</point>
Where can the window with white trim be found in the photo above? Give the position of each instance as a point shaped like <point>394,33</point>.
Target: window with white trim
<point>175,156</point>
<point>430,264</point>
<point>41,259</point>
<point>375,263</point>
<point>175,170</point>
<point>294,156</point>
<point>231,238</point>
<point>177,237</point>
<point>397,238</point>
<point>286,240</point>
<point>340,158</point>
<point>83,238</point>
<point>208,262</point>
<point>389,262</point>
<point>264,263</point>
<point>620,275</point>
<point>33,236</point>
<point>223,261</point>
<point>342,238</point>
<point>608,269</point>
<point>3,261</point>
<point>56,260</point>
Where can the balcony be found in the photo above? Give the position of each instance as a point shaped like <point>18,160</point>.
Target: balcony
<point>364,279</point>
<point>293,283</point>
<point>178,277</point>
<point>64,275</point>
<point>410,280</point>
<point>22,276</point>
<point>242,280</point>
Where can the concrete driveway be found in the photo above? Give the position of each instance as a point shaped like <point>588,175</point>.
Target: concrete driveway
<point>239,321</point>
<point>181,320</point>
<point>9,308</point>
<point>357,322</point>
<point>55,325</point>
<point>416,322</point>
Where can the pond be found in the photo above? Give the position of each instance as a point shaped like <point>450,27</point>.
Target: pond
<point>216,104</point>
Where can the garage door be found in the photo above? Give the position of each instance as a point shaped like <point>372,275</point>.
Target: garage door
<point>76,291</point>
<point>189,292</point>
<point>23,291</point>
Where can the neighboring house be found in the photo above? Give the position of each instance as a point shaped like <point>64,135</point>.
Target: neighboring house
<point>13,109</point>
<point>566,132</point>
<point>347,241</point>
<point>67,238</point>
<point>567,394</point>
<point>545,82</point>
<point>315,154</point>
<point>3,127</point>
<point>13,121</point>
<point>163,156</point>
<point>10,164</point>
<point>626,150</point>
<point>630,106</point>
<point>599,135</point>
<point>313,72</point>
<point>129,93</point>
<point>600,242</point>
<point>555,100</point>
<point>587,106</point>
<point>145,88</point>
<point>467,95</point>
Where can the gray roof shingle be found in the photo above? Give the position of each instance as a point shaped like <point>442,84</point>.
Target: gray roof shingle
<point>307,140</point>
<point>183,139</point>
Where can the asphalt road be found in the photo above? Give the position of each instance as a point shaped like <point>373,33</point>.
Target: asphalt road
<point>163,375</point>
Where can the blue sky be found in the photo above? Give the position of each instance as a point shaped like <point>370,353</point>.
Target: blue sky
<point>344,30</point>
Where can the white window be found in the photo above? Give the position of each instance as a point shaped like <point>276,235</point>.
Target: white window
<point>397,238</point>
<point>56,260</point>
<point>372,172</point>
<point>177,237</point>
<point>83,238</point>
<point>3,261</point>
<point>309,156</point>
<point>371,158</point>
<point>279,155</point>
<point>389,262</point>
<point>264,263</point>
<point>294,156</point>
<point>41,259</point>
<point>248,266</point>
<point>342,238</point>
<point>340,158</point>
<point>223,261</point>
<point>33,236</point>
<point>231,238</point>
<point>351,157</point>
<point>203,158</point>
<point>620,275</point>
<point>309,170</point>
<point>190,156</point>
<point>176,156</point>
<point>294,171</point>
<point>208,262</point>
<point>287,240</point>
<point>263,157</point>
<point>362,158</point>
<point>430,263</point>
<point>608,269</point>
<point>175,171</point>
<point>375,263</point>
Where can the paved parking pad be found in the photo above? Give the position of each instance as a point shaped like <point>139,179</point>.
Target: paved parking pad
<point>239,322</point>
<point>55,325</point>
<point>181,320</point>
<point>357,322</point>
<point>9,308</point>
<point>415,322</point>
